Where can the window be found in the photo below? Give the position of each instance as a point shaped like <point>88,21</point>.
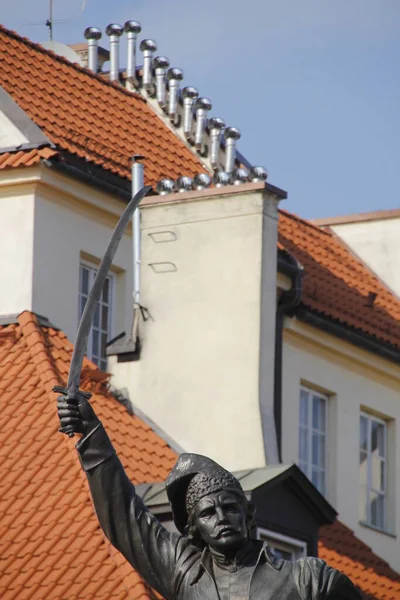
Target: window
<point>101,329</point>
<point>373,470</point>
<point>283,546</point>
<point>312,436</point>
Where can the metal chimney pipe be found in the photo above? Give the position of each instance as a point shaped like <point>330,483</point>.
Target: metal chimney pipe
<point>231,137</point>
<point>203,105</point>
<point>93,34</point>
<point>221,178</point>
<point>132,29</point>
<point>165,186</point>
<point>114,31</point>
<point>161,64</point>
<point>201,181</point>
<point>239,176</point>
<point>137,184</point>
<point>184,184</point>
<point>190,95</point>
<point>174,77</point>
<point>216,126</point>
<point>258,174</point>
<point>148,47</point>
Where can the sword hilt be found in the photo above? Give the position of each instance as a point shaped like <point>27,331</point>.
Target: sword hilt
<point>58,389</point>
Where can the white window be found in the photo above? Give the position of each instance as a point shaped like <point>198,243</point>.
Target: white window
<point>312,436</point>
<point>102,321</point>
<point>373,470</point>
<point>283,546</point>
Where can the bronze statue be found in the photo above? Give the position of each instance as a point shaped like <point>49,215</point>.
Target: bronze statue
<point>213,555</point>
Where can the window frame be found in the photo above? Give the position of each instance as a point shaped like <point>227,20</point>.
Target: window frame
<point>93,269</point>
<point>280,541</point>
<point>381,421</point>
<point>309,465</point>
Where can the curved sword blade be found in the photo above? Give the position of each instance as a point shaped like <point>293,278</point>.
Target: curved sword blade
<point>95,293</point>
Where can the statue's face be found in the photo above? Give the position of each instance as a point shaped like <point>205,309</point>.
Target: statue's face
<point>220,519</point>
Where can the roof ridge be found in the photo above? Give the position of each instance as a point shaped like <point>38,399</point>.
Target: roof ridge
<point>304,222</point>
<point>37,46</point>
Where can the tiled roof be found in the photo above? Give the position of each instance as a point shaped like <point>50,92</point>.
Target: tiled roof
<point>89,117</point>
<point>337,284</point>
<point>339,547</point>
<point>51,546</point>
<point>25,158</point>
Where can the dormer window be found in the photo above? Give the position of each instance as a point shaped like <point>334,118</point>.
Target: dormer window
<point>102,321</point>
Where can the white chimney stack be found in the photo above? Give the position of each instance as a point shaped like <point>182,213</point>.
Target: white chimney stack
<point>132,29</point>
<point>93,34</point>
<point>148,47</point>
<point>232,135</point>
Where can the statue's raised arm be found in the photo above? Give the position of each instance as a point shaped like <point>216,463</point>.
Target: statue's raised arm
<point>213,556</point>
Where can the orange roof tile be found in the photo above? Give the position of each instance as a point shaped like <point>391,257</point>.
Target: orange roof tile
<point>89,117</point>
<point>51,546</point>
<point>339,547</point>
<point>339,285</point>
<point>25,158</point>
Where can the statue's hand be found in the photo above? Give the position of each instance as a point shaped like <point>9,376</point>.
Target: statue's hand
<point>76,414</point>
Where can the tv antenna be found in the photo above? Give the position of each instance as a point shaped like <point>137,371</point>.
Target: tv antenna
<point>49,23</point>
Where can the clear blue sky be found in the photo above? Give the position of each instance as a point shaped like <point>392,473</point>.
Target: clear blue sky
<point>314,85</point>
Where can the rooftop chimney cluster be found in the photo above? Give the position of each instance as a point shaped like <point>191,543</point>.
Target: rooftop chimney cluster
<point>185,109</point>
<point>203,180</point>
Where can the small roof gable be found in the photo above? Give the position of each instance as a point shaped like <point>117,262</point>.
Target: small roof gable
<point>51,545</point>
<point>89,117</point>
<point>339,285</point>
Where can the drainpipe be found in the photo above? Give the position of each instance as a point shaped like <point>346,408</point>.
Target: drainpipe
<point>287,305</point>
<point>137,184</point>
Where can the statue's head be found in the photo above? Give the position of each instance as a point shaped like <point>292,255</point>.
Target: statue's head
<point>208,504</point>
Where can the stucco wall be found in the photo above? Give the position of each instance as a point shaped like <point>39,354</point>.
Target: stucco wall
<point>66,228</point>
<point>16,249</point>
<point>351,379</point>
<point>198,373</point>
<point>377,243</point>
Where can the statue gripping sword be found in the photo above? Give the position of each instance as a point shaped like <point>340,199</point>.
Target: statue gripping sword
<point>212,555</point>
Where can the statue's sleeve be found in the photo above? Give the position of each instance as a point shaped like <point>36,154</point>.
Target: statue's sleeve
<point>125,520</point>
<point>318,581</point>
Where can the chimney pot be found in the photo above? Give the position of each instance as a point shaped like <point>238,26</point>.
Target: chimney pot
<point>232,134</point>
<point>189,95</point>
<point>201,181</point>
<point>148,47</point>
<point>174,75</point>
<point>132,27</point>
<point>114,29</point>
<point>221,178</point>
<point>239,176</point>
<point>93,34</point>
<point>161,64</point>
<point>215,126</point>
<point>184,184</point>
<point>258,174</point>
<point>203,105</point>
<point>165,186</point>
